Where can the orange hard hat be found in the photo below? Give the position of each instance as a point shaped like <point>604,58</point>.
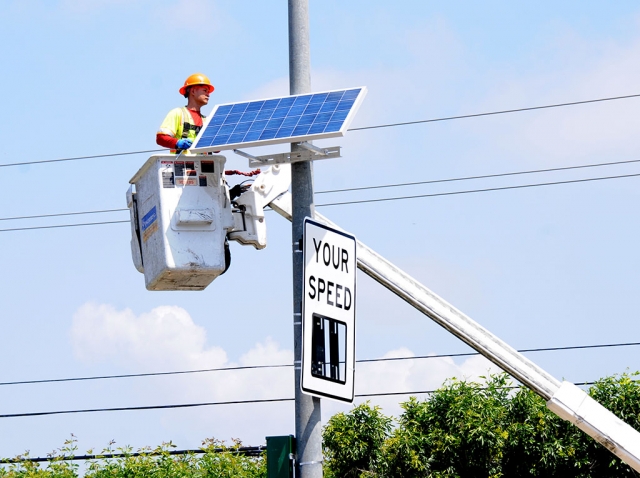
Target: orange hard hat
<point>196,79</point>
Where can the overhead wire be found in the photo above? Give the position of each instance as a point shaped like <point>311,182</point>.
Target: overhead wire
<point>471,191</point>
<point>253,367</point>
<point>501,112</point>
<point>208,404</point>
<point>77,158</point>
<point>483,176</point>
<point>466,178</point>
<point>243,450</point>
<point>145,407</point>
<point>39,216</point>
<point>389,125</point>
<point>364,201</point>
<point>64,225</point>
<point>148,374</point>
<point>422,392</point>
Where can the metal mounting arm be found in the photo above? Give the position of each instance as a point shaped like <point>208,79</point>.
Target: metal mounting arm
<point>250,157</point>
<point>312,153</point>
<point>314,149</point>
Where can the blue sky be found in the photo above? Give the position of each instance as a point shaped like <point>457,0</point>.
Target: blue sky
<point>539,267</point>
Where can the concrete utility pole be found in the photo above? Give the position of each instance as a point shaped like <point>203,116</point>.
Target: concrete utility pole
<point>308,429</point>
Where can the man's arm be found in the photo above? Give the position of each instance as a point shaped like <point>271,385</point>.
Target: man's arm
<point>166,141</point>
<point>167,135</point>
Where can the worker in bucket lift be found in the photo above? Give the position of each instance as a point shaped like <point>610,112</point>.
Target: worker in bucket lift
<point>181,125</point>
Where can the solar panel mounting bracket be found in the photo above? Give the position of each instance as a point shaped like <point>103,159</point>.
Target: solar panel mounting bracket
<point>311,153</point>
<point>312,148</point>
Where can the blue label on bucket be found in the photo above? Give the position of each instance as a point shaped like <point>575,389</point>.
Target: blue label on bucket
<point>149,224</point>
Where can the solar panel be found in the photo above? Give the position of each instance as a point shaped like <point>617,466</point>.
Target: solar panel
<point>289,119</point>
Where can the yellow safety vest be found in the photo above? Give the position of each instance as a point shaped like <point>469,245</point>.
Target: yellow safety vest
<point>179,124</point>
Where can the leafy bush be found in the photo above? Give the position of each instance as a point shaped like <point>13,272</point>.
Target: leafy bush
<point>459,431</point>
<point>621,395</point>
<point>353,442</point>
<point>478,430</point>
<point>156,462</point>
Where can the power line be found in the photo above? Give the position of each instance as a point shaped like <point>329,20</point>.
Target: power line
<point>424,392</point>
<point>363,201</point>
<point>484,176</point>
<point>243,450</point>
<point>432,120</point>
<point>62,225</point>
<point>207,404</point>
<point>253,367</point>
<point>77,158</point>
<point>149,374</point>
<point>476,115</point>
<point>148,407</point>
<point>469,191</point>
<point>433,181</point>
<point>468,354</point>
<point>15,218</point>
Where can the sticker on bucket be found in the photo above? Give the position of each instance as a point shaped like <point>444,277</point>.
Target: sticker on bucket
<point>149,224</point>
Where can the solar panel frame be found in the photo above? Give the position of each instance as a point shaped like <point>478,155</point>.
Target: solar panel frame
<point>279,120</point>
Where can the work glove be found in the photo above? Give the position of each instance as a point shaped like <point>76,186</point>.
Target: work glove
<point>184,143</point>
<point>237,190</point>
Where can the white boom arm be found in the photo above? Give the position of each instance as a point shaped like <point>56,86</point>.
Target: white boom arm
<point>564,399</point>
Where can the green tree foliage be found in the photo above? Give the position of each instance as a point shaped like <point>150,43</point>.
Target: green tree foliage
<point>156,463</point>
<point>467,429</point>
<point>462,427</point>
<point>621,395</point>
<point>539,443</point>
<point>353,442</point>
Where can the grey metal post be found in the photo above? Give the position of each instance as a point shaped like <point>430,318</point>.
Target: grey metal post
<point>308,427</point>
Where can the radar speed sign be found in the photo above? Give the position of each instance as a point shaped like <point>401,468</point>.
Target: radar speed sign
<point>328,312</point>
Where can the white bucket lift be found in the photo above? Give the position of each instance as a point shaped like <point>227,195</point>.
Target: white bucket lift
<point>181,216</point>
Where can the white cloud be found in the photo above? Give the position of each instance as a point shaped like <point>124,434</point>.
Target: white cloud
<point>167,338</point>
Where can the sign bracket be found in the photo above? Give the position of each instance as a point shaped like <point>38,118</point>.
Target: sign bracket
<point>310,153</point>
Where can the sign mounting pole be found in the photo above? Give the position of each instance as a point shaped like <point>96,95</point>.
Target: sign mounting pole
<point>308,426</point>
